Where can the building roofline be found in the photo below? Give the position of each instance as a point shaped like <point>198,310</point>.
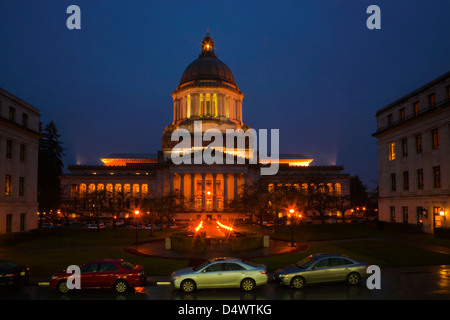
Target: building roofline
<point>415,92</point>
<point>18,100</point>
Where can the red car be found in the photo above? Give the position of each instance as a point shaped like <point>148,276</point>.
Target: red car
<point>115,274</point>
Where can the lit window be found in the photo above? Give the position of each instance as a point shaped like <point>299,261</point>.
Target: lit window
<point>419,143</point>
<point>435,138</point>
<point>391,151</point>
<point>432,100</point>
<point>416,106</point>
<point>402,114</point>
<point>8,183</point>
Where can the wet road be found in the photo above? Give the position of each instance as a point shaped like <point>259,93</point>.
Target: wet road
<point>405,283</point>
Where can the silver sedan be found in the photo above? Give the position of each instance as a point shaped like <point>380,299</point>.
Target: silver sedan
<point>220,273</point>
<point>318,268</point>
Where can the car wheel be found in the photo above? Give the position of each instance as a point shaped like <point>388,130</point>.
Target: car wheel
<point>120,286</point>
<point>188,286</point>
<point>353,278</point>
<point>298,282</point>
<point>247,284</point>
<point>62,287</point>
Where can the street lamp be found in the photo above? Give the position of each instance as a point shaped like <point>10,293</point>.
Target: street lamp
<point>291,214</point>
<point>136,213</point>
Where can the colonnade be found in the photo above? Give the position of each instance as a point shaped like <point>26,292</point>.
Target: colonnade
<point>213,105</point>
<point>206,191</point>
<point>135,190</point>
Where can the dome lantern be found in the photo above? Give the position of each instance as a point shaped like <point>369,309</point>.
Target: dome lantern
<point>207,45</point>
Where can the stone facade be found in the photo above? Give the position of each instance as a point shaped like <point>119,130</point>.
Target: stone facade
<point>19,144</point>
<point>413,137</point>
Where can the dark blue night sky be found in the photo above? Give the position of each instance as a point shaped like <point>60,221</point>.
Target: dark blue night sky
<point>309,68</point>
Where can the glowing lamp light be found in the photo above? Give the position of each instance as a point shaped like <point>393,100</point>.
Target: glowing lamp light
<point>200,225</point>
<point>442,213</point>
<point>224,226</point>
<point>291,210</point>
<point>136,212</point>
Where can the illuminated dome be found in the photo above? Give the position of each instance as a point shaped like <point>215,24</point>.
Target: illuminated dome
<point>207,67</point>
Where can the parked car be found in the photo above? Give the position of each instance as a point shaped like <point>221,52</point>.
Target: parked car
<point>12,274</point>
<point>319,268</point>
<point>116,274</point>
<point>223,272</point>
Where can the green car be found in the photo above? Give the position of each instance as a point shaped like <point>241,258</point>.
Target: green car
<point>321,268</point>
<point>220,273</point>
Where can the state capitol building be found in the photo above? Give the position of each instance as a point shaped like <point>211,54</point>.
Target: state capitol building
<point>207,92</point>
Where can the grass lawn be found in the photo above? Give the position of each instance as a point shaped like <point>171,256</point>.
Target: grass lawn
<point>48,261</point>
<point>52,251</point>
<point>55,250</point>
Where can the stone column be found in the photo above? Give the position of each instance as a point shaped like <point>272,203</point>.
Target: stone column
<point>195,104</point>
<point>219,105</point>
<point>174,110</point>
<point>214,192</point>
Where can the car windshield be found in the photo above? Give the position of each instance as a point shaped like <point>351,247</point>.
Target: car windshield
<point>128,265</point>
<point>201,266</point>
<point>4,265</point>
<point>306,263</point>
<point>252,264</point>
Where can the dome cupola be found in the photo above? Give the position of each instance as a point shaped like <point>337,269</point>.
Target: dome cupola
<point>207,68</point>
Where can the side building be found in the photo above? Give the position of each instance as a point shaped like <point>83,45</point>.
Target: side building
<point>413,137</point>
<point>19,144</point>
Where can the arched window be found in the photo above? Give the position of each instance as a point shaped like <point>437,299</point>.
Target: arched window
<point>144,190</point>
<point>330,189</point>
<point>337,189</point>
<point>82,189</point>
<point>135,190</point>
